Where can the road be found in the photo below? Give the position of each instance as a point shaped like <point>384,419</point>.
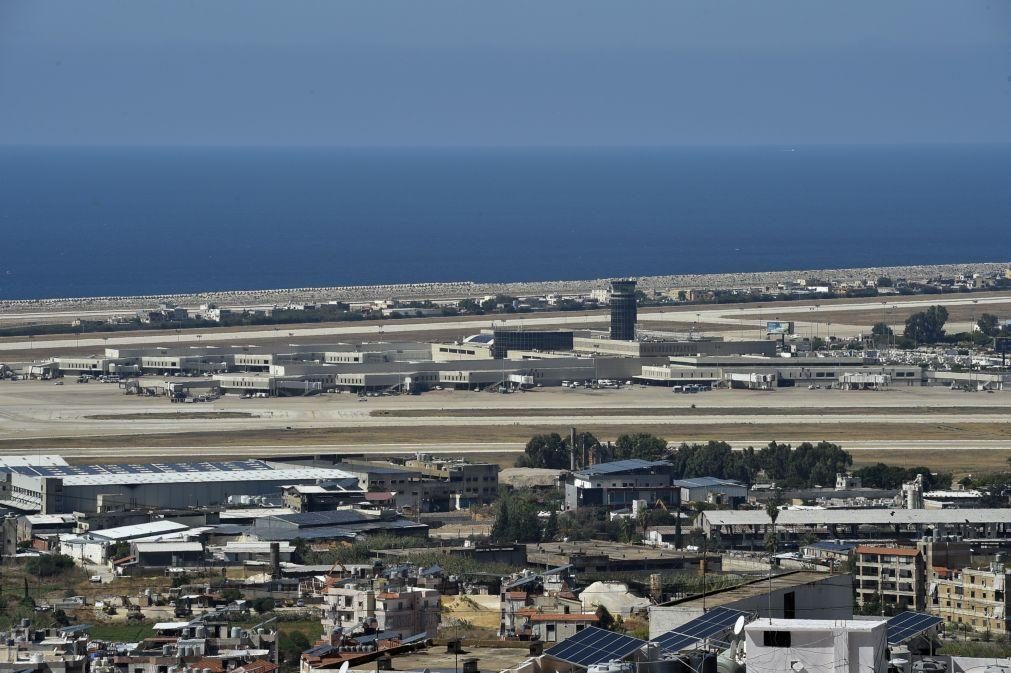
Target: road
<point>731,316</point>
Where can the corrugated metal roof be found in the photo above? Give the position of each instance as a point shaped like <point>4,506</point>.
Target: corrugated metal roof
<point>618,466</point>
<point>703,482</point>
<point>169,472</point>
<point>139,530</point>
<point>168,547</point>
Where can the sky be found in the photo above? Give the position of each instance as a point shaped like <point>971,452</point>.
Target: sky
<point>462,73</point>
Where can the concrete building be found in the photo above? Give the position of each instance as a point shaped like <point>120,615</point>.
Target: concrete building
<point>974,597</point>
<point>893,577</point>
<point>795,595</point>
<point>712,490</point>
<point>341,524</point>
<point>747,371</point>
<point>169,554</point>
<point>464,483</point>
<point>554,627</point>
<point>408,611</point>
<point>592,343</point>
<point>836,553</point>
<point>317,497</point>
<point>617,484</point>
<point>829,646</point>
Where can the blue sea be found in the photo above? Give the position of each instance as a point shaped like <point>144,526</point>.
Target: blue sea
<point>82,222</point>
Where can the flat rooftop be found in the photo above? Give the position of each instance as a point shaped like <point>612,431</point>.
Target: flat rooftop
<point>616,551</point>
<point>790,517</point>
<point>751,589</point>
<point>31,461</point>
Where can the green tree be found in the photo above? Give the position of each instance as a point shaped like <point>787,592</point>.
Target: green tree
<point>606,620</point>
<point>639,445</point>
<point>988,325</point>
<point>49,565</point>
<point>291,645</point>
<point>545,451</point>
<point>926,327</point>
<point>882,332</point>
<point>516,520</point>
<point>884,281</point>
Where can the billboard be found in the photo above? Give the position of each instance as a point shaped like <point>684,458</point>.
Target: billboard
<point>777,327</point>
<point>1002,345</point>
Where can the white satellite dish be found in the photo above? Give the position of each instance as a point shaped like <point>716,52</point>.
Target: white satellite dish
<point>345,666</point>
<point>739,626</point>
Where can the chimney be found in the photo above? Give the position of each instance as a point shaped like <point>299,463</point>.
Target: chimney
<point>275,560</point>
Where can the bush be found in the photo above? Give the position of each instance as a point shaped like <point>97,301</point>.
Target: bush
<point>47,566</point>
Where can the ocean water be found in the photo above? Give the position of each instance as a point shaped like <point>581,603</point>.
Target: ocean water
<point>83,222</point>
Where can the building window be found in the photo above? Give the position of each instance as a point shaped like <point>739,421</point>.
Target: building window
<point>776,638</point>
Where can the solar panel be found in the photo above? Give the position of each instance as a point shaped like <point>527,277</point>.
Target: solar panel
<point>594,646</point>
<point>906,625</point>
<point>708,625</point>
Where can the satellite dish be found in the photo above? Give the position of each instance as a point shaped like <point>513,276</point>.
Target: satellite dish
<point>739,626</point>
<point>345,666</point>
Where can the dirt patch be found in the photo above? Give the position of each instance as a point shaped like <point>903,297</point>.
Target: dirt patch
<point>959,463</point>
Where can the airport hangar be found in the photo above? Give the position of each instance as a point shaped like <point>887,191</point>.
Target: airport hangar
<point>90,488</point>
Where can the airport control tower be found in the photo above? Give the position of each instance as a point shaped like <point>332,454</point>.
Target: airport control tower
<point>623,312</point>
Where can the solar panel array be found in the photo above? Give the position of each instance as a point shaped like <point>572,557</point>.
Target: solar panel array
<point>146,468</point>
<point>906,625</point>
<point>594,646</point>
<point>708,625</point>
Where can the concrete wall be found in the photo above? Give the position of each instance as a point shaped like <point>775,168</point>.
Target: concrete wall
<point>828,598</point>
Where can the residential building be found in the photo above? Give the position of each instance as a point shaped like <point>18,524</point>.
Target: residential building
<point>893,577</point>
<point>974,597</point>
<point>408,610</point>
<point>554,627</point>
<point>836,553</point>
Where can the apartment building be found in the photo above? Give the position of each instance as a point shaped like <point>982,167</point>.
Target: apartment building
<point>408,611</point>
<point>975,597</point>
<point>894,577</point>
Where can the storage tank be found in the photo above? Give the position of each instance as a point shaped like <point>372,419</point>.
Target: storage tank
<point>236,632</point>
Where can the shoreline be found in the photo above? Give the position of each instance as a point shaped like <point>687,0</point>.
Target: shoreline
<point>467,289</point>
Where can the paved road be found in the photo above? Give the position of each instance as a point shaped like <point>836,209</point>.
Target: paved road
<point>726,315</point>
<point>442,448</point>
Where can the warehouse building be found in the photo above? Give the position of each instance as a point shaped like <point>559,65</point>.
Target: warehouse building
<point>748,527</point>
<point>92,488</point>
